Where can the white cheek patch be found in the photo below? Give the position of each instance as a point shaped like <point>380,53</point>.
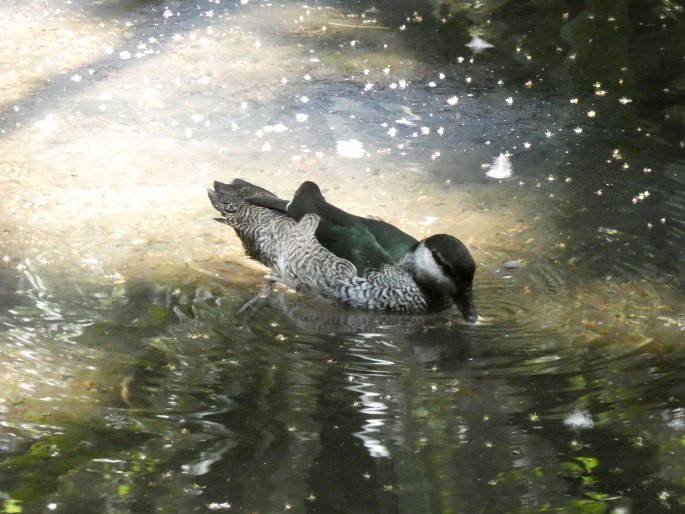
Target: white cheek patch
<point>427,267</point>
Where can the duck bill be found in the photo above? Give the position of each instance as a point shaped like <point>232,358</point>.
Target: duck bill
<point>464,302</point>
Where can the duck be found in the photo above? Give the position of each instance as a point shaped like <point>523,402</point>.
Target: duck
<point>317,248</point>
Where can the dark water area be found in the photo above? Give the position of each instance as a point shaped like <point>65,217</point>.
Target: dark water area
<point>133,379</point>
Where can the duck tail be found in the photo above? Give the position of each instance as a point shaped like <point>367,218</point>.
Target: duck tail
<point>227,198</point>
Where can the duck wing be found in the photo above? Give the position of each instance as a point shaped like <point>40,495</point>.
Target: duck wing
<point>368,244</point>
<point>394,241</point>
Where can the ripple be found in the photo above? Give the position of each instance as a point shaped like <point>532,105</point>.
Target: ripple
<point>522,303</point>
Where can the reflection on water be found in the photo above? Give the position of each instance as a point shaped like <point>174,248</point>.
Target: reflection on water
<point>132,381</point>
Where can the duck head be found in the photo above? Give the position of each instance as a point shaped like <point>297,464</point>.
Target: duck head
<point>443,267</point>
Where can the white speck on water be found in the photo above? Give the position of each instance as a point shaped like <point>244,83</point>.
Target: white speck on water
<point>402,84</point>
<point>624,100</point>
<point>124,55</point>
<point>527,145</point>
<point>405,121</point>
<point>452,100</point>
<point>477,45</point>
<point>425,131</point>
<point>573,100</point>
<point>197,118</point>
<point>284,81</point>
<point>266,147</point>
<point>500,168</point>
<point>392,131</point>
<point>351,148</point>
<point>76,78</point>
<point>579,419</point>
<point>301,117</point>
<point>189,132</point>
<point>435,154</point>
<point>224,505</point>
<point>167,13</point>
<point>278,128</point>
<point>432,84</point>
<point>48,124</point>
<point>441,76</point>
<point>368,86</point>
<point>578,130</point>
<point>640,197</point>
<point>307,77</point>
<point>591,114</point>
<point>304,99</point>
<point>441,131</point>
<point>509,100</point>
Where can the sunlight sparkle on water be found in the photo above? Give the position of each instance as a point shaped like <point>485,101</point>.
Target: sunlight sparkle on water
<point>48,124</point>
<point>351,148</point>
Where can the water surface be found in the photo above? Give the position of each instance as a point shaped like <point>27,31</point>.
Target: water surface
<point>133,382</point>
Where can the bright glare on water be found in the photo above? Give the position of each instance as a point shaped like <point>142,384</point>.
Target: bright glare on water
<point>549,137</point>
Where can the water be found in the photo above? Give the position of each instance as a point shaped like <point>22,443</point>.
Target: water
<point>131,381</point>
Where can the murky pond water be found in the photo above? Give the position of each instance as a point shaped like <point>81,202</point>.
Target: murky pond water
<point>132,381</point>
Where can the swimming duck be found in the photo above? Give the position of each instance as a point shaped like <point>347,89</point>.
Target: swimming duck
<point>315,247</point>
